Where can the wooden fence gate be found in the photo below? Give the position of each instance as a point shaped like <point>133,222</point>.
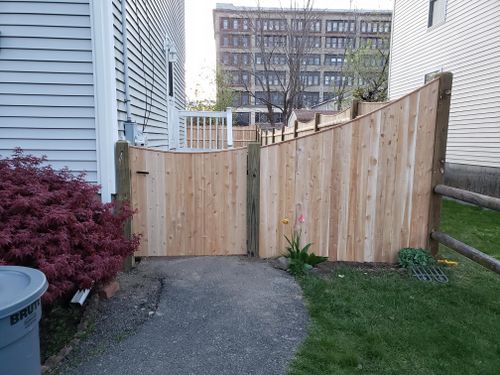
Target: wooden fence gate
<point>364,186</point>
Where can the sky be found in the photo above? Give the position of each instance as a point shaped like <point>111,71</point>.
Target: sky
<point>200,43</point>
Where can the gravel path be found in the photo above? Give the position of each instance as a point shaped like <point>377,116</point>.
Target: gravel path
<point>210,315</point>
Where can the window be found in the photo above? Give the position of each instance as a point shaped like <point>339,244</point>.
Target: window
<point>308,99</point>
<point>236,24</point>
<point>170,78</point>
<point>225,23</point>
<point>225,41</point>
<point>242,118</point>
<point>245,24</point>
<point>261,117</point>
<point>315,26</point>
<point>310,79</point>
<point>311,60</point>
<point>437,12</point>
<point>334,60</point>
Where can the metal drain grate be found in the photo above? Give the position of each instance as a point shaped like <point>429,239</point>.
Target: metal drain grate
<point>429,273</point>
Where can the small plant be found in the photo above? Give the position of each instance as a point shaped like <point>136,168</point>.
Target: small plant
<point>409,257</point>
<point>300,258</point>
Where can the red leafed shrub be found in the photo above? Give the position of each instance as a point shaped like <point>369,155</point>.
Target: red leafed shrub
<point>55,222</point>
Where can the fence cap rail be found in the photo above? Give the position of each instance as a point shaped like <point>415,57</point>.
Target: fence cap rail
<point>203,114</point>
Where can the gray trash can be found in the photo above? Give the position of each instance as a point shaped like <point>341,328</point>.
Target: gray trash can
<point>20,312</point>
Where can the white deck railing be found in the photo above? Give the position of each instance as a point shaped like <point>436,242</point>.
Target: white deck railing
<point>207,130</point>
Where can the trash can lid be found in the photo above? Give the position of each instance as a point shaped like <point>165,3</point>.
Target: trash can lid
<point>19,286</point>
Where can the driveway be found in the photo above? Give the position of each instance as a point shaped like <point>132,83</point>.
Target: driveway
<point>209,315</point>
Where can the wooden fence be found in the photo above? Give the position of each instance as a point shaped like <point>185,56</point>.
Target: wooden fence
<point>365,188</point>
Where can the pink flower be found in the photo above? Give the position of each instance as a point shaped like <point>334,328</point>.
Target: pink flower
<point>302,218</point>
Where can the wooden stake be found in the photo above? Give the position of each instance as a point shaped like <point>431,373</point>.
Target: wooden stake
<point>295,129</point>
<point>282,133</point>
<point>253,193</point>
<point>354,108</point>
<point>123,191</point>
<point>274,139</point>
<point>317,119</point>
<point>439,155</point>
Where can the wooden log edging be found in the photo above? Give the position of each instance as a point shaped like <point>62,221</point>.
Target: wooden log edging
<point>469,197</point>
<point>468,251</point>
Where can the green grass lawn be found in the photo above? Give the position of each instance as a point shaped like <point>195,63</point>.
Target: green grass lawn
<point>383,322</point>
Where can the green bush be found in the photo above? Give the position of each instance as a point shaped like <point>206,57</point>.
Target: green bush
<point>414,257</point>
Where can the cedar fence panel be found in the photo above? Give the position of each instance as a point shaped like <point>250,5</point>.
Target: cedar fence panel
<point>364,186</point>
<point>189,203</point>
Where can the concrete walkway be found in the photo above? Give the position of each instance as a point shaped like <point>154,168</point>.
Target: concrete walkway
<point>214,315</point>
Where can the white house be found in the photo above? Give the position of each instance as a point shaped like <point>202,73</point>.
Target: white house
<point>73,72</point>
<point>463,37</point>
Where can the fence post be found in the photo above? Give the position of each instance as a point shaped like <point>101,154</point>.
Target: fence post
<point>253,194</point>
<point>229,126</point>
<point>354,108</point>
<point>123,190</point>
<point>282,133</point>
<point>274,138</point>
<point>438,161</point>
<point>316,121</point>
<point>295,129</point>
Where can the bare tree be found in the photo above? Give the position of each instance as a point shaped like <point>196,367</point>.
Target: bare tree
<point>363,71</point>
<point>272,73</point>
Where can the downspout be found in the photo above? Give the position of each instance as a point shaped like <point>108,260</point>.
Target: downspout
<point>125,58</point>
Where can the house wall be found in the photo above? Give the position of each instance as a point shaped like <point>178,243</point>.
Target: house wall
<point>468,45</point>
<point>149,23</point>
<point>46,82</point>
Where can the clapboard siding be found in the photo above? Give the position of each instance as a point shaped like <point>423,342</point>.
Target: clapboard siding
<point>468,45</point>
<point>149,23</point>
<point>47,84</point>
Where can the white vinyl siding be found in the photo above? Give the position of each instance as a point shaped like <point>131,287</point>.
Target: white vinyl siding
<point>468,45</point>
<point>46,82</point>
<point>149,23</point>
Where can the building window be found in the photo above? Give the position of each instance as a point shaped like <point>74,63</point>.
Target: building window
<point>243,118</point>
<point>437,12</point>
<point>225,41</point>
<point>334,60</point>
<point>308,99</point>
<point>225,23</point>
<point>310,79</point>
<point>236,24</point>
